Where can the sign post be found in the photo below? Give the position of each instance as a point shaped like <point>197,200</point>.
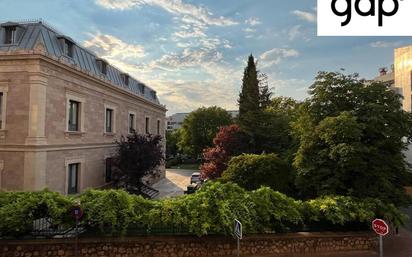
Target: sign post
<point>238,234</point>
<point>382,229</point>
<point>77,214</point>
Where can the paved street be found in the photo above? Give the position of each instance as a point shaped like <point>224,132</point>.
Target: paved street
<point>174,184</point>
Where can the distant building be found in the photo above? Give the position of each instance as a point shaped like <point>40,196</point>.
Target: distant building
<point>388,78</point>
<point>400,79</point>
<point>176,120</point>
<point>61,110</point>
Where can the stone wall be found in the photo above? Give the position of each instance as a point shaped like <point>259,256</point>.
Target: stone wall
<point>296,244</point>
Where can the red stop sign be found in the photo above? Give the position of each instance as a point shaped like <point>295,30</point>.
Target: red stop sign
<point>380,227</point>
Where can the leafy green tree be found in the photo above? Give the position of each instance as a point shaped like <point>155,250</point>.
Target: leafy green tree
<point>260,116</point>
<point>252,171</point>
<point>200,127</point>
<point>265,94</point>
<point>172,139</point>
<point>249,97</point>
<point>352,137</point>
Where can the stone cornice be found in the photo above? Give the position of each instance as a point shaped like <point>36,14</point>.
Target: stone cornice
<point>50,148</point>
<point>43,56</point>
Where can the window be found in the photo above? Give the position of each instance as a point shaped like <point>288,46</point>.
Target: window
<point>73,178</point>
<point>10,35</point>
<point>109,120</point>
<point>158,127</point>
<point>75,104</point>
<point>102,64</point>
<point>132,126</point>
<point>108,175</point>
<point>147,125</point>
<point>1,110</point>
<point>3,106</point>
<point>74,108</point>
<point>125,78</point>
<point>68,48</point>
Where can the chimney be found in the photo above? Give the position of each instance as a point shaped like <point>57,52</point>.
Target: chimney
<point>383,71</point>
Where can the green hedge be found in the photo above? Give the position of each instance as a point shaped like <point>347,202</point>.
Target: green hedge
<point>251,171</point>
<point>209,211</point>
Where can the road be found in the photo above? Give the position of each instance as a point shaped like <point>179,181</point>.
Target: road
<point>174,184</point>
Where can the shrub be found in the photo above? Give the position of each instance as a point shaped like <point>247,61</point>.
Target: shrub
<point>18,210</point>
<point>211,210</point>
<point>110,210</point>
<point>277,212</point>
<point>252,171</point>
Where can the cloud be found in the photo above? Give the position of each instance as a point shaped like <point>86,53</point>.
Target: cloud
<point>254,21</point>
<point>383,44</point>
<point>276,55</point>
<point>110,47</point>
<point>176,7</point>
<point>306,16</point>
<point>249,30</point>
<point>294,32</point>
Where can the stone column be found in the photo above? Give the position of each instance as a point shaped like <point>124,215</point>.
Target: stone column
<point>35,161</point>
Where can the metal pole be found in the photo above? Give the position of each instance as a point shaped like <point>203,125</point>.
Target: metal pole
<point>238,247</point>
<point>380,246</point>
<point>77,240</point>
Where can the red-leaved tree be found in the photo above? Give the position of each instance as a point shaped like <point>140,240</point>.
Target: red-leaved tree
<point>229,141</point>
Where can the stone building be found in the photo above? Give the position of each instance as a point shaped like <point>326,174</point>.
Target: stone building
<point>61,110</point>
<point>399,79</point>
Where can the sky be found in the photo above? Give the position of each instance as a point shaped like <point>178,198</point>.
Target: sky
<point>193,52</point>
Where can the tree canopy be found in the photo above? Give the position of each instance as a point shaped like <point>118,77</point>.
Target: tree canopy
<point>200,127</point>
<point>352,136</point>
<point>229,141</point>
<point>138,156</point>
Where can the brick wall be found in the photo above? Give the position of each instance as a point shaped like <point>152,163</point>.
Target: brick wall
<point>299,244</point>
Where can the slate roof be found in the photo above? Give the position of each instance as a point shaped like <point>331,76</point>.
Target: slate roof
<point>35,31</point>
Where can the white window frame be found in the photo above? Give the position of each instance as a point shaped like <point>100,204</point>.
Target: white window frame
<point>81,172</point>
<point>128,121</point>
<point>114,108</point>
<point>82,101</point>
<point>4,90</point>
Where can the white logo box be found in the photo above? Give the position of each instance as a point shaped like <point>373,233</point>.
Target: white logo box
<point>330,24</point>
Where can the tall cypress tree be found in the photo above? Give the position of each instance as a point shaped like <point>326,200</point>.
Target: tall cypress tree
<point>249,98</point>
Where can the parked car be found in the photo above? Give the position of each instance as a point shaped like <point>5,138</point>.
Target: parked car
<point>195,178</point>
<point>192,188</point>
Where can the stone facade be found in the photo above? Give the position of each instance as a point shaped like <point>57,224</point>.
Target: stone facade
<point>35,145</point>
<point>300,244</point>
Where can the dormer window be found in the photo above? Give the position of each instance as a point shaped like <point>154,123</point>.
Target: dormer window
<point>125,78</point>
<point>67,45</point>
<point>154,94</point>
<point>68,48</point>
<point>102,65</point>
<point>142,89</point>
<point>10,35</point>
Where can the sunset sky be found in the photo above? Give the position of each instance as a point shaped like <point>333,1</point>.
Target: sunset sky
<point>193,52</point>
